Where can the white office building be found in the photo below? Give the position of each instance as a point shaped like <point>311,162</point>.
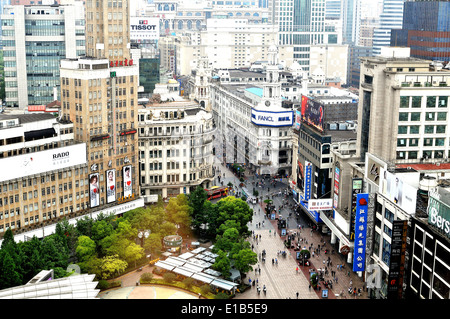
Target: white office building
<point>254,125</point>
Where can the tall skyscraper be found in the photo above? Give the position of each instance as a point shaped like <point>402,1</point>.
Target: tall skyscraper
<point>99,95</point>
<point>391,18</point>
<point>301,23</point>
<point>35,39</point>
<point>428,33</point>
<point>350,14</point>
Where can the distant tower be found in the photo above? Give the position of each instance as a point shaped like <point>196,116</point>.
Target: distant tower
<point>272,87</point>
<point>201,83</point>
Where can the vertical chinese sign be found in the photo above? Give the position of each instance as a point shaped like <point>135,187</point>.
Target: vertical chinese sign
<point>359,254</point>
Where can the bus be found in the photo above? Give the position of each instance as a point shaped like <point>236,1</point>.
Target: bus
<point>217,192</point>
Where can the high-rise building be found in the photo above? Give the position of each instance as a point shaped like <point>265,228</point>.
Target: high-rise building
<point>302,24</point>
<point>428,33</point>
<point>99,95</point>
<point>390,18</point>
<point>35,39</point>
<point>403,109</point>
<point>350,14</point>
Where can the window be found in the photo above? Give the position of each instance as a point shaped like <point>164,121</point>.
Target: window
<point>401,142</point>
<point>414,129</point>
<point>413,142</point>
<point>402,129</point>
<point>412,154</point>
<point>415,116</point>
<point>402,117</point>
<point>442,101</point>
<point>442,116</point>
<point>439,142</point>
<point>427,142</point>
<point>416,101</point>
<point>440,128</point>
<point>404,101</point>
<point>429,129</point>
<point>431,101</point>
<point>430,116</point>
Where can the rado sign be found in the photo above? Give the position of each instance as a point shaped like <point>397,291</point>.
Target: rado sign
<point>60,155</point>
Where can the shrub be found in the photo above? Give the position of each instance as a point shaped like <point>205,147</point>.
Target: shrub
<point>205,289</point>
<point>147,276</point>
<point>102,284</point>
<point>221,295</point>
<point>169,277</point>
<point>188,282</point>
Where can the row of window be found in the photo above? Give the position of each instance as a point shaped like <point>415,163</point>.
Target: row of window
<point>430,101</point>
<point>426,154</point>
<point>416,116</point>
<point>404,142</point>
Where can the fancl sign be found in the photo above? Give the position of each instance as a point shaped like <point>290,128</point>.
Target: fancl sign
<point>438,214</point>
<point>275,119</point>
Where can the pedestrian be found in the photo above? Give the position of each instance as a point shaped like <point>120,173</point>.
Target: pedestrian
<point>297,294</point>
<point>296,270</point>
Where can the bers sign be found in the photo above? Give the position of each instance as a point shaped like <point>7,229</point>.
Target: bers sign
<point>144,28</point>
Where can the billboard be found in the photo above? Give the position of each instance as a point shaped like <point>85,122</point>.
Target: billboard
<point>127,181</point>
<point>359,254</point>
<point>404,195</point>
<point>312,113</point>
<point>94,190</point>
<point>40,162</point>
<point>274,119</point>
<point>308,177</point>
<point>298,119</point>
<point>397,260</point>
<point>110,186</point>
<point>336,187</point>
<point>142,28</point>
<point>438,214</point>
<point>320,204</point>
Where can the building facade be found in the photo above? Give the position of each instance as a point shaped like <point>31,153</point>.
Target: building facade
<point>175,148</point>
<point>390,18</point>
<point>35,40</point>
<point>99,96</point>
<point>428,34</point>
<point>253,122</point>
<point>415,125</point>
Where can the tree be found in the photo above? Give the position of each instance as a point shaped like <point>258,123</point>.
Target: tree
<point>54,252</point>
<point>86,248</point>
<point>197,201</point>
<point>101,229</point>
<point>222,263</point>
<point>243,259</point>
<point>231,208</point>
<point>153,243</point>
<point>110,265</point>
<point>9,276</point>
<point>179,212</point>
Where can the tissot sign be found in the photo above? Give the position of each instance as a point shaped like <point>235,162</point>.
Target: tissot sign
<point>276,119</point>
<point>142,28</point>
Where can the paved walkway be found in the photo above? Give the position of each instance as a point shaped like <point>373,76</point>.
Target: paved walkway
<point>283,280</point>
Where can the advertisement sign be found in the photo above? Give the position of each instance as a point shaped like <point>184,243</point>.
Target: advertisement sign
<point>438,214</point>
<point>274,119</point>
<point>94,190</point>
<point>320,204</point>
<point>142,28</point>
<point>357,185</point>
<point>312,113</point>
<point>127,181</point>
<point>373,168</point>
<point>359,254</point>
<point>308,176</point>
<point>298,119</point>
<point>110,186</point>
<point>40,162</point>
<point>397,261</point>
<point>336,187</point>
<point>402,194</point>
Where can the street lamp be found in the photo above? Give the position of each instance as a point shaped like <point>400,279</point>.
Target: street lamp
<point>143,234</point>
